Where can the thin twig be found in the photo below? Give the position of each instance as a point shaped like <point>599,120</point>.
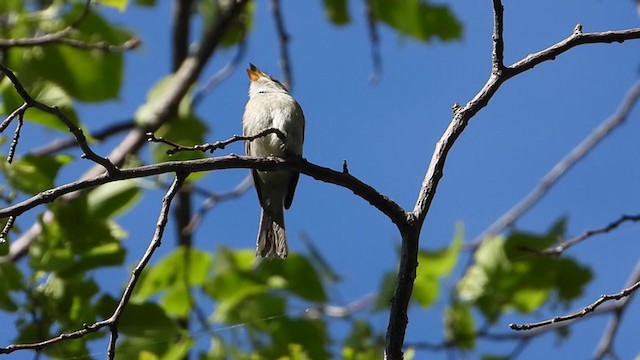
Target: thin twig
<point>605,347</point>
<point>582,313</point>
<point>153,245</point>
<point>53,110</point>
<point>16,113</point>
<point>6,229</point>
<point>176,148</point>
<point>374,39</point>
<point>573,157</point>
<point>16,138</point>
<point>283,41</point>
<point>560,248</point>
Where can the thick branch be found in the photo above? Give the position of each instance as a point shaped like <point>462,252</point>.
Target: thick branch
<point>361,189</point>
<point>397,318</point>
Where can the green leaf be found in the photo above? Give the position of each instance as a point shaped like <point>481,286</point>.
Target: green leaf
<point>118,4</point>
<point>240,25</point>
<point>111,254</point>
<point>418,19</point>
<point>84,75</point>
<point>337,11</point>
<point>249,310</point>
<point>32,174</point>
<point>81,230</point>
<point>146,320</point>
<point>310,334</point>
<point>459,326</point>
<point>432,266</point>
<point>184,267</point>
<point>298,276</point>
<point>113,198</point>
<point>510,274</point>
<point>318,260</point>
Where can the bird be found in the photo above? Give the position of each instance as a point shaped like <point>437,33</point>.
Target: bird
<point>271,106</point>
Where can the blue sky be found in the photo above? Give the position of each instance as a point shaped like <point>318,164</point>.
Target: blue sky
<point>387,133</point>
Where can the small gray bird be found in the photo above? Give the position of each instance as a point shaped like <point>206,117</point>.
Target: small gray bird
<point>271,106</point>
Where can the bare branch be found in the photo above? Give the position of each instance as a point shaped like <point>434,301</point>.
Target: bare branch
<point>605,347</point>
<point>410,233</point>
<point>7,228</point>
<point>62,337</point>
<point>577,38</point>
<point>53,110</point>
<point>359,188</point>
<point>573,157</point>
<point>155,244</point>
<point>497,57</point>
<point>16,138</point>
<point>582,313</point>
<point>560,248</point>
<point>283,41</point>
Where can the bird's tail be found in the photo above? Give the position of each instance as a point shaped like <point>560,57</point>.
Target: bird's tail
<point>272,239</point>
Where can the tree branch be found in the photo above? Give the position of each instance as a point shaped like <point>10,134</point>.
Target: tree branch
<point>582,313</point>
<point>560,248</point>
<point>605,347</point>
<point>462,115</point>
<point>359,188</point>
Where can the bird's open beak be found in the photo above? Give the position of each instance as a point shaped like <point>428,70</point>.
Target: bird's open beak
<point>254,73</point>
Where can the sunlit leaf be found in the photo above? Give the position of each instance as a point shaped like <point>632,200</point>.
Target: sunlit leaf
<point>418,19</point>
<point>459,326</point>
<point>113,198</point>
<point>32,174</point>
<point>188,267</point>
<point>118,4</point>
